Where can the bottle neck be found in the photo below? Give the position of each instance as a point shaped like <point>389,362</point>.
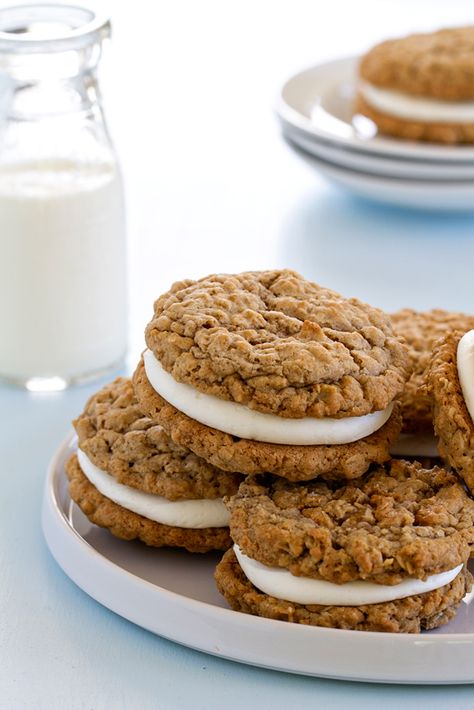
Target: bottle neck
<point>48,85</point>
<point>53,118</point>
<point>31,101</point>
<point>50,105</point>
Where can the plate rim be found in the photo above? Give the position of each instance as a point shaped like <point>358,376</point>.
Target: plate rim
<point>58,532</point>
<point>371,164</point>
<point>375,179</point>
<point>380,145</point>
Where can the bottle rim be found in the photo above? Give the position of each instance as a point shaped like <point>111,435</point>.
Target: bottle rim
<point>47,27</point>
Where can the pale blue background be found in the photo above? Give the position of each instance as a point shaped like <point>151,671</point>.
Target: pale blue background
<point>211,187</point>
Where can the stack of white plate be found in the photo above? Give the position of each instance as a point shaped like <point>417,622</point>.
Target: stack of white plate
<point>315,108</point>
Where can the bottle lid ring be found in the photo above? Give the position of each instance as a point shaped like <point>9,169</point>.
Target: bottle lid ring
<point>46,27</point>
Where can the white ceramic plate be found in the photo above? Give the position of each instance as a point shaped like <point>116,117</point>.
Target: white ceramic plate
<point>378,164</point>
<point>449,196</point>
<point>319,101</point>
<point>172,594</point>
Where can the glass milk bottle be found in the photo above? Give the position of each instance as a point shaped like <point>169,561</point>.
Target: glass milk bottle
<point>63,297</point>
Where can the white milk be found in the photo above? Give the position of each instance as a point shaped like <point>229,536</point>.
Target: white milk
<point>62,270</point>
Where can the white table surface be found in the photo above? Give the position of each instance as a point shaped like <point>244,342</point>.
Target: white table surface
<point>211,187</point>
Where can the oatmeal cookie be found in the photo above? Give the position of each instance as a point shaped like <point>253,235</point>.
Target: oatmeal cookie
<point>421,330</point>
<point>410,615</point>
<point>296,463</point>
<point>434,132</point>
<point>438,65</point>
<point>395,522</point>
<point>420,87</point>
<point>278,344</point>
<point>452,421</point>
<point>128,525</point>
<point>118,438</point>
<point>424,461</point>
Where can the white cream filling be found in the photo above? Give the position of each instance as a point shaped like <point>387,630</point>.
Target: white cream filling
<point>181,513</point>
<point>465,362</point>
<point>413,108</point>
<point>415,445</point>
<point>238,420</point>
<point>280,583</point>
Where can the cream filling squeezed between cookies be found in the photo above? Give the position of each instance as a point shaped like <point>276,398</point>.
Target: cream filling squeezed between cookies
<point>465,363</point>
<point>280,583</point>
<point>195,514</point>
<point>238,420</point>
<point>413,108</point>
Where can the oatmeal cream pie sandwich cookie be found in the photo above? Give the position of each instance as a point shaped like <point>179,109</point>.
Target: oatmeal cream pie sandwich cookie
<point>387,552</point>
<point>130,477</point>
<point>421,330</point>
<point>450,381</point>
<point>266,371</point>
<point>421,87</point>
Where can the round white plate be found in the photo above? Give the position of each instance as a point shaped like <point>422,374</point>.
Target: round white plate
<point>172,593</point>
<point>378,164</point>
<point>450,196</point>
<point>319,101</point>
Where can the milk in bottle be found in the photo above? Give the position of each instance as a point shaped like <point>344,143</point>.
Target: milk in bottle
<point>63,300</point>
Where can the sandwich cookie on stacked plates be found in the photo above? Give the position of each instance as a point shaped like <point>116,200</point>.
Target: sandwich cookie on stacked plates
<point>268,372</point>
<point>450,380</point>
<point>421,87</point>
<point>421,330</point>
<point>387,552</point>
<point>128,476</point>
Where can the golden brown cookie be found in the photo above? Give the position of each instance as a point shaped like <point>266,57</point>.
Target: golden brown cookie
<point>131,478</point>
<point>437,67</point>
<point>410,615</point>
<point>424,461</point>
<point>435,132</point>
<point>331,542</point>
<point>235,361</point>
<point>279,344</point>
<point>128,525</point>
<point>421,330</point>
<point>452,421</point>
<point>118,438</point>
<point>394,522</point>
<point>296,463</point>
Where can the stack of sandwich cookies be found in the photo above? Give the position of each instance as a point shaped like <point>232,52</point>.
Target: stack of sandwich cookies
<point>268,372</point>
<point>269,375</point>
<point>385,553</point>
<point>421,331</point>
<point>128,476</point>
<point>420,87</point>
<point>450,381</point>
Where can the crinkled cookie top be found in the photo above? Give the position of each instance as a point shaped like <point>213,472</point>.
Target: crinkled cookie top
<point>452,421</point>
<point>421,330</point>
<point>279,344</point>
<point>439,65</point>
<point>118,438</point>
<point>392,523</point>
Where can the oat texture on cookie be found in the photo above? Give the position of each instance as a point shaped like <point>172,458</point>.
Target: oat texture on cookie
<point>395,522</point>
<point>438,65</point>
<point>127,525</point>
<point>295,463</point>
<point>421,330</point>
<point>119,439</point>
<point>410,615</point>
<point>452,421</point>
<point>420,87</point>
<point>279,344</point>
